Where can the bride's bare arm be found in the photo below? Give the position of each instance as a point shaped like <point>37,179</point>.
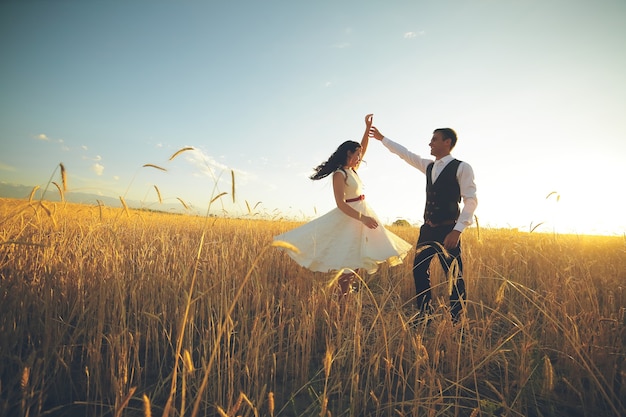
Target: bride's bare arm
<point>339,191</point>
<point>366,136</point>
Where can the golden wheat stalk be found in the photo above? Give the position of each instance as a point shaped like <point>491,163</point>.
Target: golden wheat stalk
<point>501,292</point>
<point>247,400</point>
<point>46,209</point>
<point>158,194</point>
<point>63,176</point>
<point>147,410</point>
<point>232,177</point>
<point>233,410</point>
<point>25,378</point>
<point>125,401</point>
<point>60,191</point>
<point>154,166</point>
<point>100,205</point>
<point>187,361</point>
<point>285,245</point>
<point>558,196</point>
<point>270,403</point>
<point>495,390</point>
<point>221,411</point>
<point>32,193</point>
<point>178,152</point>
<point>374,398</point>
<point>548,375</point>
<point>453,275</point>
<point>328,361</point>
<point>183,203</point>
<point>335,279</point>
<point>477,226</point>
<point>535,227</point>
<point>24,386</point>
<point>324,411</point>
<point>125,206</point>
<point>218,196</point>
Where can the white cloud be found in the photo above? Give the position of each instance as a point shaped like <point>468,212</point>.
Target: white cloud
<point>411,35</point>
<point>209,167</point>
<point>89,158</point>
<point>84,147</point>
<point>203,161</point>
<point>341,45</point>
<point>45,138</point>
<point>97,168</point>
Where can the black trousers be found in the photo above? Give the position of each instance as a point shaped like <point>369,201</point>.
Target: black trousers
<point>429,245</point>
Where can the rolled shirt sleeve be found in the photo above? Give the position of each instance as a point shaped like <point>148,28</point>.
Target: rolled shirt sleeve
<point>465,176</point>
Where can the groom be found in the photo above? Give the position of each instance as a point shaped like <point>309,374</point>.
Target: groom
<point>448,182</point>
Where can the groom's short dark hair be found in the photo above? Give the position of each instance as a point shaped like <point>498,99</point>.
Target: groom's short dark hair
<point>448,134</point>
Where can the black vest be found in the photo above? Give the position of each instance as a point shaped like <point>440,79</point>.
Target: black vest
<point>442,197</point>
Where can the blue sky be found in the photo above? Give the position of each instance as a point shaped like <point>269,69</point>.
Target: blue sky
<point>535,89</point>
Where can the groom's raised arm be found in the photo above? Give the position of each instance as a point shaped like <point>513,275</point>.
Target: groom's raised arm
<point>409,157</point>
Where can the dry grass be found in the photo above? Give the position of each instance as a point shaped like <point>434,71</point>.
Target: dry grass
<point>123,312</point>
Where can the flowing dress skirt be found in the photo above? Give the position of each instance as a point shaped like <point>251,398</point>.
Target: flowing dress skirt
<point>335,241</point>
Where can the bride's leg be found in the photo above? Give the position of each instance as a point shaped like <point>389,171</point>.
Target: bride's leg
<point>345,283</point>
<point>355,284</point>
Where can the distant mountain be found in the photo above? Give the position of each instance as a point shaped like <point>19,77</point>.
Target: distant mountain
<point>14,191</point>
<point>52,194</point>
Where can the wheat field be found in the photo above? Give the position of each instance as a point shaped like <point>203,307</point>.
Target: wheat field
<point>121,312</point>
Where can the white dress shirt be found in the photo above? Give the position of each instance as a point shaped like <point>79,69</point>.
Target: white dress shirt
<point>464,175</point>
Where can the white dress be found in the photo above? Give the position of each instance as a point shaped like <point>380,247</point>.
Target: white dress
<point>335,240</point>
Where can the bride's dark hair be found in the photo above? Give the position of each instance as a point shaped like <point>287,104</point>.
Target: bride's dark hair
<point>336,161</point>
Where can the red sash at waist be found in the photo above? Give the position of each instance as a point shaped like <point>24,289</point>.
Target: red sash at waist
<point>359,198</point>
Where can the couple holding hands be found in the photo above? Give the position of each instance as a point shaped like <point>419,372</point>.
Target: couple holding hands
<point>351,237</point>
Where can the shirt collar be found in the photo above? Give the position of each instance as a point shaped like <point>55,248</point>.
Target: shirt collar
<point>446,159</point>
